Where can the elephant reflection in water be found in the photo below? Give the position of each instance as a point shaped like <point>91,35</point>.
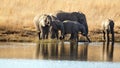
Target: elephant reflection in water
<point>83,51</point>
<point>62,51</point>
<point>78,52</point>
<point>108,28</point>
<point>68,51</point>
<point>47,50</point>
<point>73,51</point>
<point>108,50</point>
<point>41,53</point>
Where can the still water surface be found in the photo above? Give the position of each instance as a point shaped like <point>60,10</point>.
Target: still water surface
<point>61,52</point>
<point>97,51</point>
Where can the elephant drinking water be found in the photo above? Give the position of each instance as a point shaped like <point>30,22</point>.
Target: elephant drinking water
<point>73,27</point>
<point>108,28</point>
<point>56,25</point>
<point>42,24</point>
<point>73,16</point>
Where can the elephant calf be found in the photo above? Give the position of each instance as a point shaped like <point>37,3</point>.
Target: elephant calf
<point>55,26</point>
<point>73,27</point>
<point>107,28</point>
<point>42,24</point>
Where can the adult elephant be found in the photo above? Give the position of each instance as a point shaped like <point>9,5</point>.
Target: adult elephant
<point>55,26</point>
<point>42,24</point>
<point>73,16</point>
<point>73,28</point>
<point>108,28</point>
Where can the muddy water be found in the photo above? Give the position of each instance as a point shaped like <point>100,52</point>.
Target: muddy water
<point>96,51</point>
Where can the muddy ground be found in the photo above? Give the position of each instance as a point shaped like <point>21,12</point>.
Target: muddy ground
<point>31,36</point>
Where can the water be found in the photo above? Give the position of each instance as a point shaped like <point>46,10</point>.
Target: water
<point>59,54</point>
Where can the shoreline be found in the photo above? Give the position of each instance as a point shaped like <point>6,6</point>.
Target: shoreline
<point>31,36</point>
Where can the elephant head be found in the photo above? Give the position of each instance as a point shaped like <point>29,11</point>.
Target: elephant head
<point>45,20</point>
<point>84,32</point>
<point>42,24</point>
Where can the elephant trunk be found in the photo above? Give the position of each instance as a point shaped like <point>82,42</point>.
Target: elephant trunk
<point>88,39</point>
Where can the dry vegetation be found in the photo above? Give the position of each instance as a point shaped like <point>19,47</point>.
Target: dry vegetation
<point>16,16</point>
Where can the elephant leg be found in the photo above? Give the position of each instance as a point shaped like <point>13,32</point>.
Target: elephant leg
<point>75,36</point>
<point>107,36</point>
<point>112,32</point>
<point>72,36</point>
<point>39,35</point>
<point>46,37</point>
<point>103,35</point>
<point>47,32</point>
<point>42,34</point>
<point>88,39</point>
<point>53,34</point>
<point>113,37</point>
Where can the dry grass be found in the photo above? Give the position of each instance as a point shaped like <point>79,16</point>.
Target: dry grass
<point>17,15</point>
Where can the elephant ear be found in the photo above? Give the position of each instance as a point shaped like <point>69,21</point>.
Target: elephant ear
<point>42,20</point>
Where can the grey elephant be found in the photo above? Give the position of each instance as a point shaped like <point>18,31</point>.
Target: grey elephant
<point>42,24</point>
<point>73,16</point>
<point>73,28</point>
<point>55,26</point>
<point>108,28</point>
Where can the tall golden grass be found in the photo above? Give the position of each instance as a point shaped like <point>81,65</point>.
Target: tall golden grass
<point>18,14</point>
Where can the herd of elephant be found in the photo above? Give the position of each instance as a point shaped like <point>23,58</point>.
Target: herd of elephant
<point>68,23</point>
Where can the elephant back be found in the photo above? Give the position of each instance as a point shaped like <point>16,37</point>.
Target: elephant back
<point>108,24</point>
<point>73,16</point>
<point>62,16</point>
<point>68,26</point>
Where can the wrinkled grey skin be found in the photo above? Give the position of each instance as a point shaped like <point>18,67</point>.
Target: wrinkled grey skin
<point>73,27</point>
<point>42,24</point>
<point>108,28</point>
<point>56,25</point>
<point>73,16</point>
